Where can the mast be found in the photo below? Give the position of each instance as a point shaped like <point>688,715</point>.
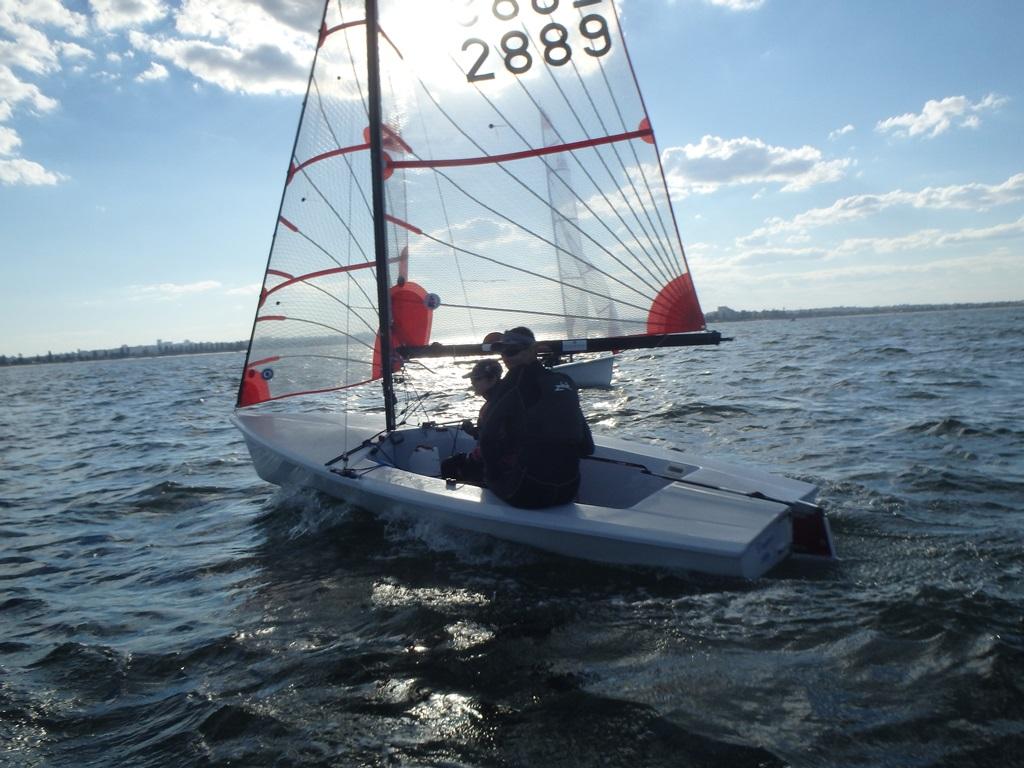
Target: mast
<point>379,230</point>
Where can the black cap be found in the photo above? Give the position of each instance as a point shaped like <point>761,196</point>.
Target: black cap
<point>485,369</point>
<point>514,338</point>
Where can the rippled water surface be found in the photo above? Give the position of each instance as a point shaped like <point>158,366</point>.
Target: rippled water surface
<point>161,606</point>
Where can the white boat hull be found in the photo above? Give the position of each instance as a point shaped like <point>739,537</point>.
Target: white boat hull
<point>595,373</point>
<point>652,517</point>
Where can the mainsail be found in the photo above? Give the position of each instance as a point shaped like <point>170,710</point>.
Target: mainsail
<point>521,186</point>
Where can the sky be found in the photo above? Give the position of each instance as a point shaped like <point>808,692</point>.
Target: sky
<point>818,152</point>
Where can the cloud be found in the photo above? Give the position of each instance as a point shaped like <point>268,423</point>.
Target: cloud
<point>249,46</point>
<point>937,117</point>
<point>25,172</point>
<point>964,197</point>
<point>156,71</point>
<point>244,290</point>
<point>169,291</point>
<point>265,69</point>
<point>715,162</point>
<point>118,14</point>
<point>737,5</point>
<point>931,238</point>
<point>9,140</point>
<point>833,135</point>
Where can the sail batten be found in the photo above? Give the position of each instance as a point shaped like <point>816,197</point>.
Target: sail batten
<point>459,169</point>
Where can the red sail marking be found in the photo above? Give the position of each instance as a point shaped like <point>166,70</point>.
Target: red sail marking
<point>324,31</point>
<point>323,272</point>
<point>270,317</point>
<point>675,309</point>
<point>553,149</point>
<point>323,156</point>
<point>279,273</point>
<point>287,223</point>
<point>389,139</point>
<point>406,225</point>
<point>264,361</point>
<point>642,133</point>
<point>645,125</point>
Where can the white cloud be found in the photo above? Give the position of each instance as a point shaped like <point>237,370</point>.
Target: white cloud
<point>738,5</point>
<point>20,171</point>
<point>156,71</point>
<point>931,238</point>
<point>965,197</point>
<point>73,51</point>
<point>117,14</point>
<point>715,162</point>
<point>833,135</point>
<point>168,291</point>
<point>14,92</point>
<point>244,290</point>
<point>265,69</point>
<point>9,140</point>
<point>937,117</point>
<point>44,12</point>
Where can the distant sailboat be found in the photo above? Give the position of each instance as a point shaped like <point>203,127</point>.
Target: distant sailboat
<point>408,228</point>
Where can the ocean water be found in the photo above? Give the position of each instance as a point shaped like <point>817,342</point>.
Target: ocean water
<point>161,606</point>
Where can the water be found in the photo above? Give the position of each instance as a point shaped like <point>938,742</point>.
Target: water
<point>161,606</point>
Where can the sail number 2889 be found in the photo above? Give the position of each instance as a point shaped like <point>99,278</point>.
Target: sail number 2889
<point>553,39</point>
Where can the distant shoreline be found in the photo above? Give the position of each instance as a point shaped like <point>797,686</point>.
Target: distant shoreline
<point>720,315</point>
<point>727,314</point>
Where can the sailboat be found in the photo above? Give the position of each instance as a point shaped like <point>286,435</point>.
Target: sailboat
<point>417,216</point>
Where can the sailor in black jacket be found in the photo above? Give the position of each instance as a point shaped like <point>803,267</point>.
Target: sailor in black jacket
<point>535,432</point>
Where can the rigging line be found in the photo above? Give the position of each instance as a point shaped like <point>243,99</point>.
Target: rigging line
<point>557,248</point>
<point>541,199</point>
<point>339,358</point>
<point>661,170</point>
<point>314,322</point>
<point>536,274</point>
<point>545,314</point>
<point>351,235</point>
<point>348,160</point>
<point>318,391</point>
<point>306,281</point>
<point>663,278</point>
<point>352,310</point>
<point>444,211</point>
<point>659,247</point>
<point>546,203</point>
<point>640,165</point>
<point>643,173</point>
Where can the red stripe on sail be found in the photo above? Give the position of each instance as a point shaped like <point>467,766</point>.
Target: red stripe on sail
<point>570,147</point>
<point>323,272</point>
<point>264,361</point>
<point>323,156</point>
<point>404,224</point>
<point>279,273</point>
<point>288,224</point>
<point>324,31</point>
<point>270,317</point>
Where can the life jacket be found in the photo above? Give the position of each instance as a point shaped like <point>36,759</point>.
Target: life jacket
<point>534,430</point>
